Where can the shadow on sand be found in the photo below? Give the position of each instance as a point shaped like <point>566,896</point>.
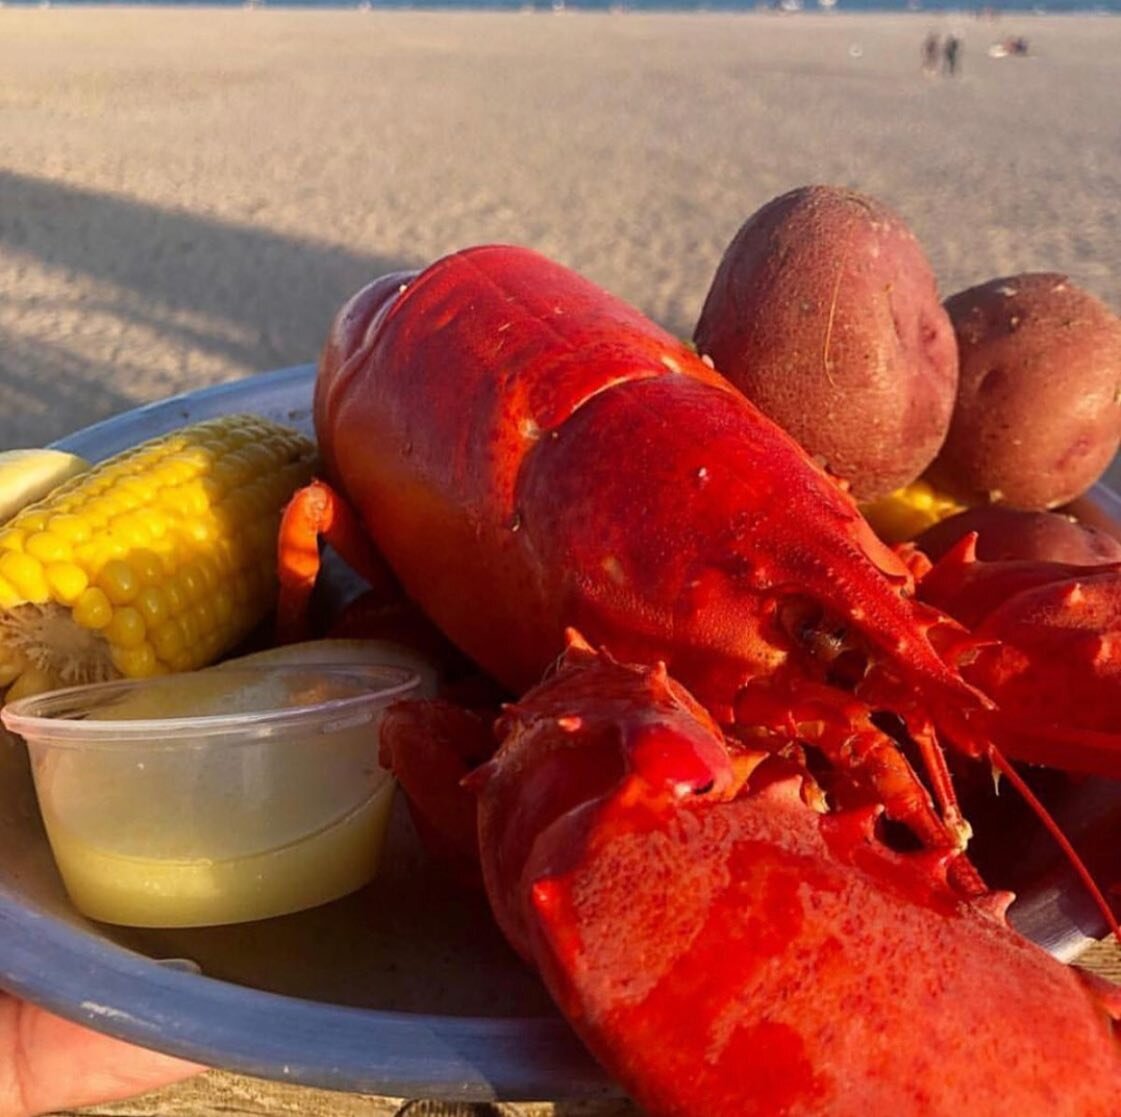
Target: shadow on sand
<point>157,294</point>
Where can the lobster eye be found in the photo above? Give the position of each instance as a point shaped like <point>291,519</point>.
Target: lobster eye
<point>825,638</point>
<point>799,618</point>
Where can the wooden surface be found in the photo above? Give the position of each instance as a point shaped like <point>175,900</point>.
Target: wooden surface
<point>1103,958</point>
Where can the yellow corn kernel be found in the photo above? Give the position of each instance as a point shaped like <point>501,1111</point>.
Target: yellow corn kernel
<point>151,602</point>
<point>223,606</point>
<point>93,609</point>
<point>200,532</point>
<point>240,469</point>
<point>126,628</point>
<point>136,490</point>
<point>130,529</point>
<point>47,547</point>
<point>68,526</point>
<point>156,523</point>
<point>180,589</point>
<point>197,458</point>
<point>26,574</point>
<point>138,662</point>
<point>205,619</point>
<point>168,640</point>
<point>189,626</point>
<point>176,602</point>
<point>98,511</point>
<point>168,474</point>
<point>212,643</point>
<point>148,567</point>
<point>208,571</point>
<point>9,595</point>
<point>33,521</point>
<point>91,555</point>
<point>182,661</point>
<point>67,581</point>
<point>118,581</point>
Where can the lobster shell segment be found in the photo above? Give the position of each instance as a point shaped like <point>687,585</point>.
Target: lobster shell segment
<point>724,949</point>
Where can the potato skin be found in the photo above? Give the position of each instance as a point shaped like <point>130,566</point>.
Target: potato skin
<point>1038,412</point>
<point>1008,533</point>
<point>825,313</point>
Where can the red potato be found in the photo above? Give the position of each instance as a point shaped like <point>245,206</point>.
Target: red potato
<point>1038,412</point>
<point>1007,533</point>
<point>825,313</point>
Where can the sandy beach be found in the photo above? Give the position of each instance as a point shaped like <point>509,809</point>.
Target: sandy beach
<point>187,195</point>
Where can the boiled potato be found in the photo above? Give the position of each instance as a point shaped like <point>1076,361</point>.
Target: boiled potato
<point>1038,412</point>
<point>825,313</point>
<point>1008,533</point>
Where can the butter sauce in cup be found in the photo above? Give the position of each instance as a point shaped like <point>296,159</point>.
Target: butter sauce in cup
<point>218,796</point>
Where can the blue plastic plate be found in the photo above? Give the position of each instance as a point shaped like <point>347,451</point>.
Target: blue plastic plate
<point>401,990</point>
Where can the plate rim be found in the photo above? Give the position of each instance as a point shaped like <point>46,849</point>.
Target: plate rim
<point>221,1023</point>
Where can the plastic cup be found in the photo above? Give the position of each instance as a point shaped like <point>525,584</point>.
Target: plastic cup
<point>216,796</point>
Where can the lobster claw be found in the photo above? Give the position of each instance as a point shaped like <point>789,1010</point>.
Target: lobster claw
<point>713,945</point>
<point>592,731</point>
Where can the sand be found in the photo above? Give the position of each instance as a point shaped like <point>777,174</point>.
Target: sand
<point>187,195</point>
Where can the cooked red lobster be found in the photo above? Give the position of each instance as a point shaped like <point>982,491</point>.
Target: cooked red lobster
<point>530,454</point>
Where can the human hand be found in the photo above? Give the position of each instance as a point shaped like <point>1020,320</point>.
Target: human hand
<point>47,1063</point>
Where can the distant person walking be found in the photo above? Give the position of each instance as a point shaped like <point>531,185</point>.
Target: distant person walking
<point>930,54</point>
<point>951,55</point>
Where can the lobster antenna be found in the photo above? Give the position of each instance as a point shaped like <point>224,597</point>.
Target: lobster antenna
<point>1002,765</point>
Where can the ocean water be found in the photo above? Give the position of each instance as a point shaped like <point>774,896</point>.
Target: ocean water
<point>1041,7</point>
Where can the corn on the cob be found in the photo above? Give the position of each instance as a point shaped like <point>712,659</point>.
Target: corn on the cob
<point>908,511</point>
<point>159,559</point>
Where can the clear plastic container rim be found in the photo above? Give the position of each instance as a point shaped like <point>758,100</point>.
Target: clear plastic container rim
<point>56,718</point>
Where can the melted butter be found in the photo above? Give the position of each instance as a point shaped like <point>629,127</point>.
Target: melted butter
<point>108,884</point>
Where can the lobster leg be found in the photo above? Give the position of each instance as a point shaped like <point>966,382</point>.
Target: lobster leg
<point>842,730</point>
<point>317,511</point>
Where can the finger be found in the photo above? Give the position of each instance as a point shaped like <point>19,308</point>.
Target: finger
<point>48,1063</point>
